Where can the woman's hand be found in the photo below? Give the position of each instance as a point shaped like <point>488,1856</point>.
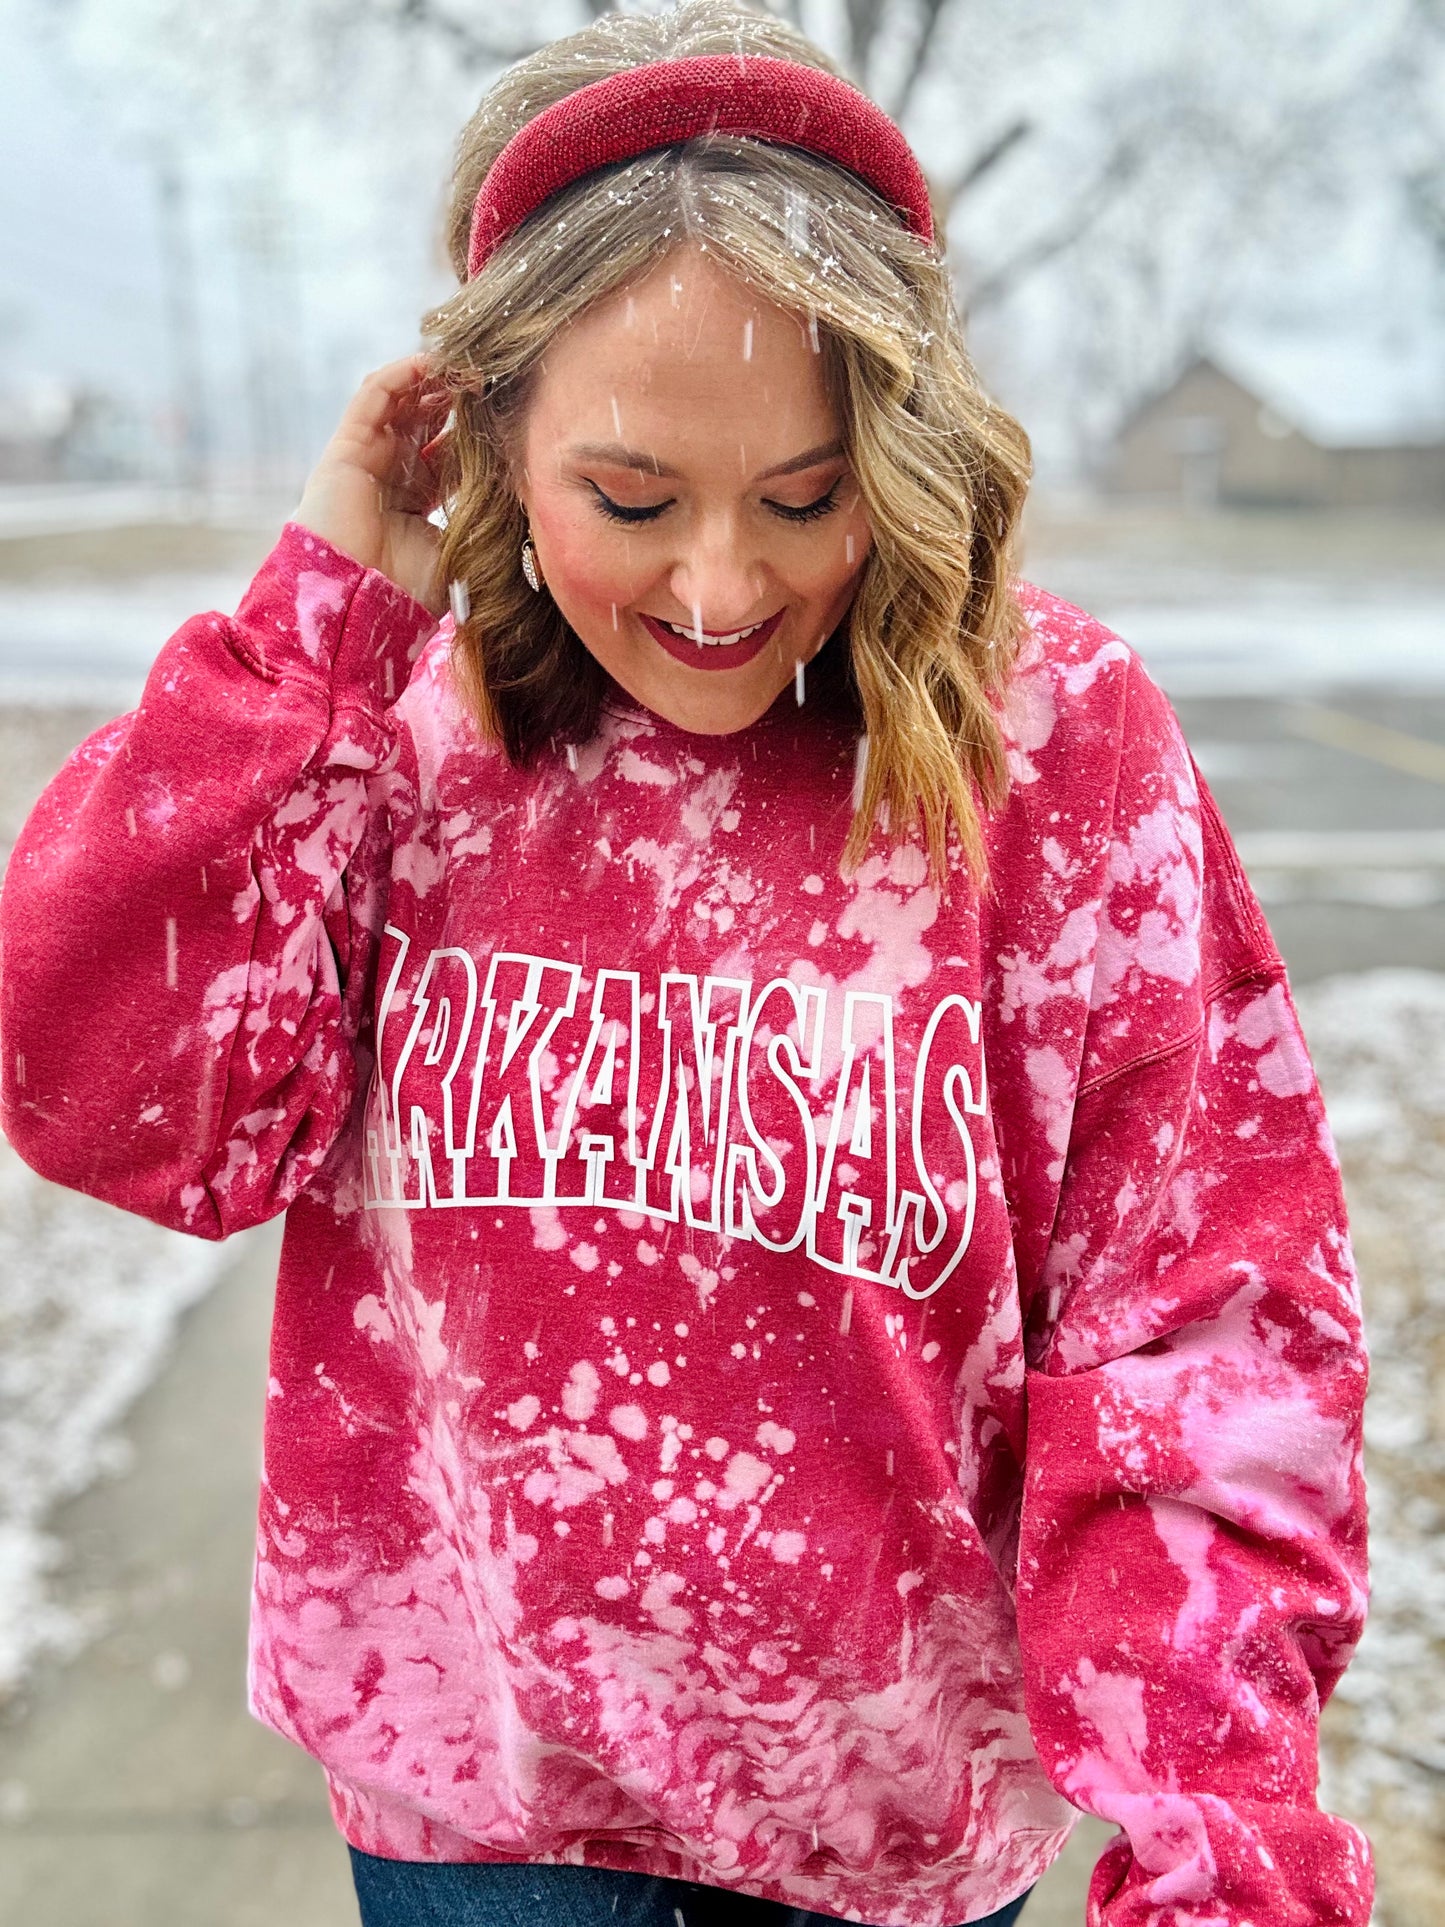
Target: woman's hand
<point>372,490</point>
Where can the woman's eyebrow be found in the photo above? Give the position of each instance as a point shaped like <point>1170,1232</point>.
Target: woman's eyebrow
<point>616,456</point>
<point>810,458</point>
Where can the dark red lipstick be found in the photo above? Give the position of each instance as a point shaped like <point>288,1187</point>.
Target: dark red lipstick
<point>711,655</point>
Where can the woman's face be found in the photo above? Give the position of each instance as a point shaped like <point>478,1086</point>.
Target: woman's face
<point>682,472</point>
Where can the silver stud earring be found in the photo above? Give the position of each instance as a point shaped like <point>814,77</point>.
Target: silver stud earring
<point>529,566</point>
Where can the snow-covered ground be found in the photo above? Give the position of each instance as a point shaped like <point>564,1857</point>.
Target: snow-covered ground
<point>89,1299</point>
<point>91,642</point>
<point>1378,1041</point>
<point>1285,637</point>
<point>49,508</point>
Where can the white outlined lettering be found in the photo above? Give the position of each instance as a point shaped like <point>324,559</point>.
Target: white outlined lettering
<point>690,1100</point>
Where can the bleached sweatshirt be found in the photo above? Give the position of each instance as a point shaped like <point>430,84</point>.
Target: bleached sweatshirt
<point>778,1378</point>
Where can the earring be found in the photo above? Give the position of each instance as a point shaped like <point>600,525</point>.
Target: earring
<point>529,566</point>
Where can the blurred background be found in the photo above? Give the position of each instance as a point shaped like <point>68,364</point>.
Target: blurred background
<point>1201,252</point>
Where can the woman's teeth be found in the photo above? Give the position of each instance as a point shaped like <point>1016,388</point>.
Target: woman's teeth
<point>706,641</point>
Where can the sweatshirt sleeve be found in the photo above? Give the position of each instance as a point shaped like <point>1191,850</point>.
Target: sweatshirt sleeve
<point>182,968</point>
<point>1192,1567</point>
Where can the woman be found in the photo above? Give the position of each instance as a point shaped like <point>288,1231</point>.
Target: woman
<point>816,1333</point>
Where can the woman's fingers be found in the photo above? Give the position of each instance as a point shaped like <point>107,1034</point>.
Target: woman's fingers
<point>411,488</point>
<point>376,399</point>
<point>412,481</point>
<point>374,486</point>
<point>417,422</point>
<point>392,412</point>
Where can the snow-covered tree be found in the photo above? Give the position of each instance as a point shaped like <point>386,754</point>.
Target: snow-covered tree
<point>1118,179</point>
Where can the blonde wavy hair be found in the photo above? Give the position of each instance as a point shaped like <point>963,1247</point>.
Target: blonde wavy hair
<point>933,629</point>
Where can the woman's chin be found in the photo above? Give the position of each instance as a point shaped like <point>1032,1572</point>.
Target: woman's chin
<point>711,707</point>
<point>702,700</point>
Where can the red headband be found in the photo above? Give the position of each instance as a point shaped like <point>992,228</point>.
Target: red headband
<point>644,108</point>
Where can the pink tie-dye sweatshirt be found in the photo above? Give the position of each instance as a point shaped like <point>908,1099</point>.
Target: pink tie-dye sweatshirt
<point>778,1378</point>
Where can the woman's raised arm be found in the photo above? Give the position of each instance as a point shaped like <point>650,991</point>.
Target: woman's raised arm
<point>182,972</point>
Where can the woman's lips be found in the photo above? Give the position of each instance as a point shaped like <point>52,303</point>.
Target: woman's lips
<point>711,653</point>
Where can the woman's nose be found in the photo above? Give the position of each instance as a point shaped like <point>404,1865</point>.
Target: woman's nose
<point>718,581</point>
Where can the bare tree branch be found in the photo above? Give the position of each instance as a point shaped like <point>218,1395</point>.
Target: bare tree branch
<point>1425,199</point>
<point>933,12</point>
<point>476,47</point>
<point>983,164</point>
<point>1122,166</point>
<point>864,18</point>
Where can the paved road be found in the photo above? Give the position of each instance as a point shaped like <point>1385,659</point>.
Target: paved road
<point>1338,805</point>
<point>135,1788</point>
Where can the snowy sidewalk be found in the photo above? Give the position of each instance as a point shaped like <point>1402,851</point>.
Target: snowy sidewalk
<point>135,1788</point>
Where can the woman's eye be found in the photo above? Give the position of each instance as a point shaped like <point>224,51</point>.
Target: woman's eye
<point>619,512</point>
<point>810,511</point>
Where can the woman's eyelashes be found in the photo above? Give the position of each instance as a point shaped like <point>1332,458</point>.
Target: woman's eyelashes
<point>620,512</point>
<point>810,511</point>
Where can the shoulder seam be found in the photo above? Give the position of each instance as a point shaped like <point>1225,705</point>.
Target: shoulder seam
<point>1264,967</point>
<point>317,685</point>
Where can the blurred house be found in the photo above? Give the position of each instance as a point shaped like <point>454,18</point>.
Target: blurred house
<point>1288,425</point>
<point>53,430</point>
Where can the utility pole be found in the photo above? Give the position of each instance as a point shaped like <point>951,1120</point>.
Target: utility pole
<point>191,441</point>
<point>271,325</point>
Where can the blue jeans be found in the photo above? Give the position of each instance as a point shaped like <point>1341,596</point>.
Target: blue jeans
<point>407,1893</point>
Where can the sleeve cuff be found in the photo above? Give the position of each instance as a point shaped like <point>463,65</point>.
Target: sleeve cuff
<point>314,611</point>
